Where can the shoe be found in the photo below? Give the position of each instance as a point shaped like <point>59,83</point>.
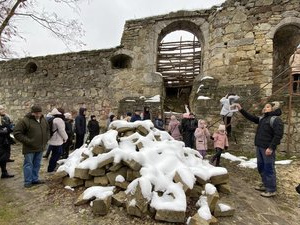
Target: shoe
<point>6,175</point>
<point>28,185</point>
<point>38,182</point>
<point>268,194</point>
<point>260,187</point>
<point>10,160</point>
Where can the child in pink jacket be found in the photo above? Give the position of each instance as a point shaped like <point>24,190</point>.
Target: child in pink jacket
<point>220,143</point>
<point>202,135</point>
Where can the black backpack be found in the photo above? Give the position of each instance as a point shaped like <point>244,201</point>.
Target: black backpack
<point>50,122</point>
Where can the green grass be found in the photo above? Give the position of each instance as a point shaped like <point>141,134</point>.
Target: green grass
<point>7,211</point>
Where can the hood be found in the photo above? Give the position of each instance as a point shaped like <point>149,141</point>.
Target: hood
<point>276,112</point>
<point>81,110</point>
<point>55,112</point>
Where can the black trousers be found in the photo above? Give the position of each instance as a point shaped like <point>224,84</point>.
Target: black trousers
<point>227,122</point>
<point>217,156</point>
<point>79,140</point>
<point>295,84</point>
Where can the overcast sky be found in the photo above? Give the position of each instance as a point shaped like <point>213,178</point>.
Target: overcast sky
<point>103,22</point>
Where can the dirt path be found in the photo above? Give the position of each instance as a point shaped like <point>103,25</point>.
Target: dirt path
<point>52,204</point>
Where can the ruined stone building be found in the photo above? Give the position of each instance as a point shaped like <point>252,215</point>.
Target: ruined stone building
<point>245,46</point>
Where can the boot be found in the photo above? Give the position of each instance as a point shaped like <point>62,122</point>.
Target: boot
<point>6,175</point>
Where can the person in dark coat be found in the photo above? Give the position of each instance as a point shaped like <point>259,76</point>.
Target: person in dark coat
<point>136,116</point>
<point>33,132</point>
<point>159,123</point>
<point>5,142</point>
<point>268,135</point>
<point>93,127</point>
<point>188,126</point>
<point>80,127</point>
<point>70,132</point>
<point>146,113</point>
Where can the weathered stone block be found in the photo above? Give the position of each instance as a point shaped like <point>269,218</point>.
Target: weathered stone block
<point>170,216</point>
<point>119,199</point>
<point>81,201</point>
<point>59,175</point>
<point>224,188</point>
<point>103,181</point>
<point>72,182</point>
<point>132,164</point>
<point>89,183</point>
<point>142,130</point>
<point>122,185</point>
<point>106,162</point>
<point>125,130</point>
<point>223,209</point>
<point>111,176</point>
<point>132,209</point>
<point>212,200</point>
<point>115,166</point>
<point>82,173</point>
<point>195,192</point>
<point>197,220</point>
<point>97,172</point>
<point>220,179</point>
<point>98,150</point>
<point>131,175</point>
<point>177,178</point>
<point>101,206</point>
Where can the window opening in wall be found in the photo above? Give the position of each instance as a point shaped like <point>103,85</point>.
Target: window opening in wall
<point>121,61</point>
<point>31,67</point>
<point>285,42</point>
<point>179,56</point>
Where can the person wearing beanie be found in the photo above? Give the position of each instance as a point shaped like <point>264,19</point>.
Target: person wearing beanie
<point>80,127</point>
<point>93,127</point>
<point>70,132</point>
<point>294,63</point>
<point>33,132</point>
<point>58,138</point>
<point>220,143</point>
<point>268,135</point>
<point>5,142</point>
<point>202,136</point>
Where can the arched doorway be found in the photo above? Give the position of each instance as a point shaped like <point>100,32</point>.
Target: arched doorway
<point>179,60</point>
<point>285,42</point>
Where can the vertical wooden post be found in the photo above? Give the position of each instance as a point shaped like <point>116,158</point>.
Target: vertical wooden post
<point>289,114</point>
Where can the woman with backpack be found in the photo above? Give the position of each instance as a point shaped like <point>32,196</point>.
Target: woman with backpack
<point>268,135</point>
<point>59,136</point>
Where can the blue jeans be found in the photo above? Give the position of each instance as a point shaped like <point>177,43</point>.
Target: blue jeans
<point>266,168</point>
<point>31,166</point>
<point>56,153</point>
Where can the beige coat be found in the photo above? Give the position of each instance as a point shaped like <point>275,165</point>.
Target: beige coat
<point>60,136</point>
<point>295,62</point>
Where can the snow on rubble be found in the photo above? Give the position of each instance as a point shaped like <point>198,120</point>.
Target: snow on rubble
<point>143,165</point>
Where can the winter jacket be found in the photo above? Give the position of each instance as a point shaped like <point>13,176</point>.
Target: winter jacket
<point>80,123</point>
<point>135,117</point>
<point>173,128</point>
<point>201,135</point>
<point>60,135</point>
<point>5,139</point>
<point>146,115</point>
<point>220,140</point>
<point>295,62</point>
<point>159,124</point>
<point>32,134</point>
<point>225,111</point>
<point>94,128</point>
<point>266,136</point>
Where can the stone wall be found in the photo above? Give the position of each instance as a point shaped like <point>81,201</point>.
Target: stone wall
<point>242,45</point>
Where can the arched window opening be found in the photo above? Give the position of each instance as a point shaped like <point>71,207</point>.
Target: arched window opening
<point>179,59</point>
<point>285,42</point>
<point>121,61</point>
<point>30,67</point>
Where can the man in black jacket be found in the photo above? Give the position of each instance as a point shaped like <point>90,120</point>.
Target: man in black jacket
<point>268,135</point>
<point>80,127</point>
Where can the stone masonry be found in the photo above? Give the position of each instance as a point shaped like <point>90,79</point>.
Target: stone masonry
<point>245,48</point>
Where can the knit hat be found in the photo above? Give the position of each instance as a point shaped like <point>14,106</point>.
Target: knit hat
<point>55,112</point>
<point>275,105</point>
<point>222,127</point>
<point>36,108</point>
<point>68,116</point>
<point>1,107</point>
